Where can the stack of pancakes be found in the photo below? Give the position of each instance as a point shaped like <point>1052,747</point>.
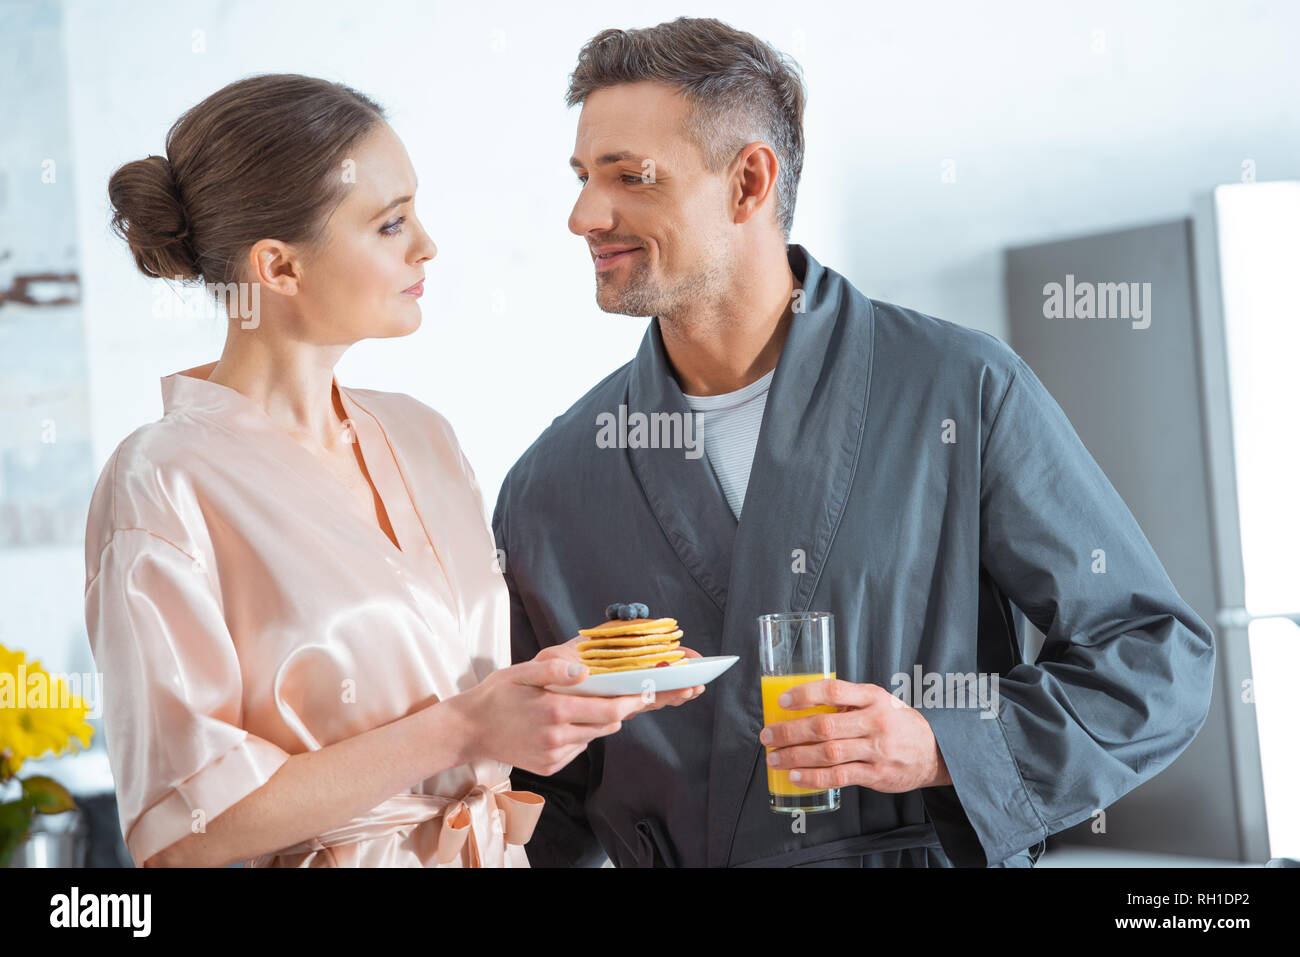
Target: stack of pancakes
<point>630,645</point>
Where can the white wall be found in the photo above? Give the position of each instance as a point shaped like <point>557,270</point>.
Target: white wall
<point>1053,129</point>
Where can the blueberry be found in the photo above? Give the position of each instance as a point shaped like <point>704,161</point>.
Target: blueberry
<point>611,611</point>
<point>640,611</point>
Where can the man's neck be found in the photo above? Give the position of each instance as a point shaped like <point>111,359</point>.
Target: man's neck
<point>739,340</point>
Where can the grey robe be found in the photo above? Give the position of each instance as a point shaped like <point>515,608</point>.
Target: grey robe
<point>911,476</point>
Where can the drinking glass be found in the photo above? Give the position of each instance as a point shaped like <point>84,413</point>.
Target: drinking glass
<point>794,648</point>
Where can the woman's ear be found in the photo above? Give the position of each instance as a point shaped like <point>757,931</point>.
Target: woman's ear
<point>276,265</point>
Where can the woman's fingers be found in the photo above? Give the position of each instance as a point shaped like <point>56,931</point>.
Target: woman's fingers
<point>581,734</point>
<point>579,709</point>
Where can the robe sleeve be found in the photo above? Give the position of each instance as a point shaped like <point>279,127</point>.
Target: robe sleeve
<point>172,691</point>
<point>563,836</point>
<point>1123,681</point>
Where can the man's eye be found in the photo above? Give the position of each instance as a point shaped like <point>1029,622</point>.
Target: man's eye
<point>633,178</point>
<point>582,181</point>
<point>393,228</point>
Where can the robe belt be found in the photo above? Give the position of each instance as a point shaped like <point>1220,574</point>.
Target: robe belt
<point>467,822</point>
<point>898,838</point>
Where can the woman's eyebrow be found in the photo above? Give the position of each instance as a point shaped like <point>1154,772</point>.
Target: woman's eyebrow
<point>395,203</point>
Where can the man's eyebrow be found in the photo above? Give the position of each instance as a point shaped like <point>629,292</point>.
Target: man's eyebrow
<point>605,160</point>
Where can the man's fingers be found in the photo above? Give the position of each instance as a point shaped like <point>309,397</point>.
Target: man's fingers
<point>858,773</point>
<point>832,691</point>
<point>816,727</point>
<point>824,754</point>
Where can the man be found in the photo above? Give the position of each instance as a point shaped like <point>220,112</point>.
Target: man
<point>902,472</point>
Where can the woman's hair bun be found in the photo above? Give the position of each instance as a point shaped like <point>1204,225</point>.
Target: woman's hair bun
<point>258,158</point>
<point>149,214</point>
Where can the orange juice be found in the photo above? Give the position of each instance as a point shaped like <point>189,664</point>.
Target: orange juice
<point>778,781</point>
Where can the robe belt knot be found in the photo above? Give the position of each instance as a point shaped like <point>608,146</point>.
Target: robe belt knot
<point>468,823</point>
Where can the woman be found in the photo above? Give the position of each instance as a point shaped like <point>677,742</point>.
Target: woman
<point>292,591</point>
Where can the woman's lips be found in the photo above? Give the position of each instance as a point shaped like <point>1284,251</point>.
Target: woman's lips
<point>417,290</point>
<point>610,260</point>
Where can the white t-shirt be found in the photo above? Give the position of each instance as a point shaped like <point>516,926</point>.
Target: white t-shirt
<point>729,425</point>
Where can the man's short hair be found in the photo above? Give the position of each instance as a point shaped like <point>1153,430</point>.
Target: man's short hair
<point>741,90</point>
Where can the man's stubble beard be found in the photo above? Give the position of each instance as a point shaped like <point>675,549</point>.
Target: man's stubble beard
<point>641,295</point>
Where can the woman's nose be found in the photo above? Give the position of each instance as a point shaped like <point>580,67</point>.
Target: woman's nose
<point>425,249</point>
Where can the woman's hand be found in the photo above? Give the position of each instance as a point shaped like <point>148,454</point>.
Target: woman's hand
<point>511,717</point>
<point>651,702</point>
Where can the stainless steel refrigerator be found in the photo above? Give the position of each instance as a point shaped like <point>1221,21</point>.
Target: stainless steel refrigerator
<point>1174,349</point>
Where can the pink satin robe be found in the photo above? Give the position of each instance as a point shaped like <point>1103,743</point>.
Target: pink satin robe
<point>242,609</point>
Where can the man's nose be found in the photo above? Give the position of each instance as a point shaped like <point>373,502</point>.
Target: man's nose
<point>592,212</point>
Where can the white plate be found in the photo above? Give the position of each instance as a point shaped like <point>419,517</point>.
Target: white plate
<point>695,671</point>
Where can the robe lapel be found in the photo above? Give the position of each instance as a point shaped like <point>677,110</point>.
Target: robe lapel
<point>392,478</point>
<point>191,390</point>
<point>808,450</point>
<point>683,493</point>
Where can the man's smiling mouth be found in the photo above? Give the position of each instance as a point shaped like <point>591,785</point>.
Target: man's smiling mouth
<point>612,255</point>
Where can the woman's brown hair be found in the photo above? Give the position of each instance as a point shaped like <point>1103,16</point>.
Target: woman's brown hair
<point>260,158</point>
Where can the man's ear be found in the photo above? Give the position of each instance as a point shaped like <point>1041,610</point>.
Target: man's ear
<point>753,177</point>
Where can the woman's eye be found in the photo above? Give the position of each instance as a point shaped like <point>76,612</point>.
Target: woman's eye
<point>393,228</point>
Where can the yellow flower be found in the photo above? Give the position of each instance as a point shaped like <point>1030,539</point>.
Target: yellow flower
<point>47,722</point>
